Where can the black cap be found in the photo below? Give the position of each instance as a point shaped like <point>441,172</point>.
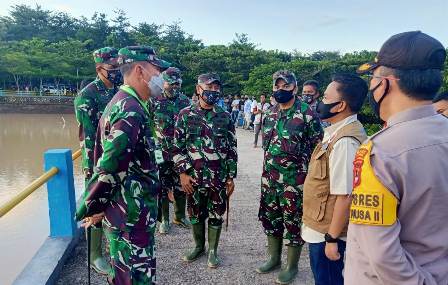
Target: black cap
<point>408,50</point>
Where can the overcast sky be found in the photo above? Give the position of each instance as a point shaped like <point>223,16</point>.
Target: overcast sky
<point>304,25</point>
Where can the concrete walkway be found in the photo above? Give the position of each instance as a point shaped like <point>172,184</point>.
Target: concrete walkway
<point>242,248</point>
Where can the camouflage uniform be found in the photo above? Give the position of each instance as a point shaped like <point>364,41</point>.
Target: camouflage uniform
<point>89,105</point>
<point>205,148</point>
<point>289,139</point>
<point>165,110</point>
<point>125,184</point>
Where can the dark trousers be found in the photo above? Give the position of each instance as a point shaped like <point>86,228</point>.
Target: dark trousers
<point>326,271</point>
<point>257,130</point>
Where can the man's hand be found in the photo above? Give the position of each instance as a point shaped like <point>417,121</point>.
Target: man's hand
<point>230,186</point>
<point>331,251</point>
<point>93,220</point>
<point>87,173</point>
<point>186,183</point>
<point>171,195</point>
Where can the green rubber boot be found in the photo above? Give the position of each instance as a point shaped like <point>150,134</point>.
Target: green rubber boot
<point>179,212</point>
<point>97,261</point>
<point>199,243</point>
<point>214,232</point>
<point>165,224</point>
<point>275,252</point>
<point>288,274</point>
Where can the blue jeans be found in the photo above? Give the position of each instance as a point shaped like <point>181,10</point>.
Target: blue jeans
<point>235,116</point>
<point>326,271</point>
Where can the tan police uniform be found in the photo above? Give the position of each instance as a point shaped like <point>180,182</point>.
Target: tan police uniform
<point>398,231</point>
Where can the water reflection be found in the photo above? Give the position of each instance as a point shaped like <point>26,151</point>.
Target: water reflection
<point>23,140</point>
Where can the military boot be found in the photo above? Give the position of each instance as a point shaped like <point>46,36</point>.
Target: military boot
<point>179,212</point>
<point>165,224</point>
<point>275,252</point>
<point>214,233</point>
<point>199,243</point>
<point>288,274</point>
<point>97,261</point>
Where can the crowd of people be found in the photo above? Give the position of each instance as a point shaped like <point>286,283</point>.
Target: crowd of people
<point>371,209</point>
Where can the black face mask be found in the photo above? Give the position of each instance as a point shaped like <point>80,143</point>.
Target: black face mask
<point>374,104</point>
<point>323,110</point>
<point>283,96</point>
<point>210,97</point>
<point>172,93</point>
<point>114,76</point>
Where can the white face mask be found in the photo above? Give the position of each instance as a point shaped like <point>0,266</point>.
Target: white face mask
<point>155,84</point>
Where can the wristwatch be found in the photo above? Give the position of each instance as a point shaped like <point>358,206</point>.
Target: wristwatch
<point>330,239</point>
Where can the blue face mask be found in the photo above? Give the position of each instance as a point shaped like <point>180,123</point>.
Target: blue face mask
<point>114,76</point>
<point>308,98</point>
<point>210,97</point>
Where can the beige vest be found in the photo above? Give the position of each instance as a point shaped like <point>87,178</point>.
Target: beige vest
<point>318,203</point>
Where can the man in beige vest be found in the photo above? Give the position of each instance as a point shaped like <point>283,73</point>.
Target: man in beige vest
<point>328,184</point>
<point>398,230</point>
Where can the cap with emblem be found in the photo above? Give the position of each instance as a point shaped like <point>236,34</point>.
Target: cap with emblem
<point>172,75</point>
<point>106,55</point>
<point>209,78</point>
<point>286,75</point>
<point>132,54</point>
<point>408,50</point>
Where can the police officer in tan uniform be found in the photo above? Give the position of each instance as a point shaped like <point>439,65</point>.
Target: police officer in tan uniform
<point>398,215</point>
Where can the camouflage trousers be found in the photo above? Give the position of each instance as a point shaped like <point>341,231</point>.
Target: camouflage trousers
<point>169,180</point>
<point>207,203</point>
<point>281,208</point>
<point>133,259</point>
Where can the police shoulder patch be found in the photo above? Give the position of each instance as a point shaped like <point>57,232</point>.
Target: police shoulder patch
<point>372,203</point>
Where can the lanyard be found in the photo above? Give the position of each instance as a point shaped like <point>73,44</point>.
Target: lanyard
<point>128,89</point>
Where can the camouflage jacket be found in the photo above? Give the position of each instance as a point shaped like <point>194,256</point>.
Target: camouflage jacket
<point>289,139</point>
<point>164,112</point>
<point>125,182</point>
<point>205,146</point>
<point>89,106</point>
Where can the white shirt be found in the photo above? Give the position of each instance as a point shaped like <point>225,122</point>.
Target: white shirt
<point>340,164</point>
<point>264,108</point>
<point>247,106</point>
<point>253,106</point>
<point>235,105</point>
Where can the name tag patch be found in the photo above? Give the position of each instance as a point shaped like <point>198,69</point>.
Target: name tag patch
<point>367,208</point>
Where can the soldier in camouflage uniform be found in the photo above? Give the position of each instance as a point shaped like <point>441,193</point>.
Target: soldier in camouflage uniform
<point>89,106</point>
<point>205,156</point>
<point>165,109</point>
<point>291,132</point>
<point>125,184</point>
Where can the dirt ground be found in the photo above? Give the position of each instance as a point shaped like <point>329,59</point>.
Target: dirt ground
<point>242,248</point>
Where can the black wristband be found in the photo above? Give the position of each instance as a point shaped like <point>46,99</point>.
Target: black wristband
<point>330,239</point>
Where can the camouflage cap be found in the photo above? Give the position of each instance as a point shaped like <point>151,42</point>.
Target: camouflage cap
<point>172,75</point>
<point>286,75</point>
<point>209,78</point>
<point>132,54</point>
<point>107,55</point>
